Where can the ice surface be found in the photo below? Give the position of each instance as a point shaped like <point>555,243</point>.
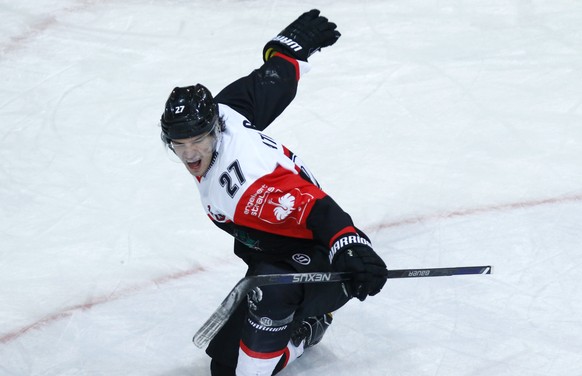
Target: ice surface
<point>450,130</point>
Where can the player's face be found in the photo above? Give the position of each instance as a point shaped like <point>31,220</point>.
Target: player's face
<point>195,152</point>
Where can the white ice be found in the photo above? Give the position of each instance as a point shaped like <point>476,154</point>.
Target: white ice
<point>450,130</point>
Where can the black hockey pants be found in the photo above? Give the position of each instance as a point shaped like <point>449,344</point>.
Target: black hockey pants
<point>278,301</point>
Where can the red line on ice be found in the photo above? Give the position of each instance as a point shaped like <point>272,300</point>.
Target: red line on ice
<point>41,25</point>
<point>45,23</point>
<point>477,211</point>
<point>69,311</point>
<point>66,312</point>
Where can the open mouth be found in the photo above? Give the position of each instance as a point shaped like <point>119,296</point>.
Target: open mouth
<point>194,165</point>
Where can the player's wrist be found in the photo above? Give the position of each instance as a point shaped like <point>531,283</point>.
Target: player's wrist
<point>346,241</point>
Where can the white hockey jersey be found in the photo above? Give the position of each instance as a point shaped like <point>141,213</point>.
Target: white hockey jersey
<point>253,182</point>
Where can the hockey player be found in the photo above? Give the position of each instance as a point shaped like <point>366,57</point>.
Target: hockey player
<point>258,191</point>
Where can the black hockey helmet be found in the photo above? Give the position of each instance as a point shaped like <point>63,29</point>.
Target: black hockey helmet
<point>190,111</point>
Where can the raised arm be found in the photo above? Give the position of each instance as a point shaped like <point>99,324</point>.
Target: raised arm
<point>267,91</point>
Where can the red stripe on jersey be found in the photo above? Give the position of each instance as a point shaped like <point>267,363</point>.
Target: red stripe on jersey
<point>292,61</point>
<point>289,155</point>
<point>345,230</point>
<point>278,203</point>
<point>261,355</point>
<point>286,151</point>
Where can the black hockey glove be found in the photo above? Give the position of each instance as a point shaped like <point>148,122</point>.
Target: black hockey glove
<point>304,36</point>
<point>369,270</point>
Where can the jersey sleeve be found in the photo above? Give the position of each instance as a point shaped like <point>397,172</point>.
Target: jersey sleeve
<point>266,92</point>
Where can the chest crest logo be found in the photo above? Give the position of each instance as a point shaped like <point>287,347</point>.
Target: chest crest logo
<point>284,206</point>
<point>275,206</point>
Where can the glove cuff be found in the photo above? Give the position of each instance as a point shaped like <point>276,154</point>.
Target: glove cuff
<point>268,53</point>
<point>346,241</point>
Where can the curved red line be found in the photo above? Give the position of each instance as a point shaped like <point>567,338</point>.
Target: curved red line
<point>69,311</point>
<point>66,312</point>
<point>476,211</point>
<point>41,25</point>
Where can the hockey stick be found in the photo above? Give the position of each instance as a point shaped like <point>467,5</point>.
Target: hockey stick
<point>439,272</point>
<point>247,284</point>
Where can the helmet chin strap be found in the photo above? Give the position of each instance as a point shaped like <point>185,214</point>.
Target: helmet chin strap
<point>217,138</point>
<point>217,143</point>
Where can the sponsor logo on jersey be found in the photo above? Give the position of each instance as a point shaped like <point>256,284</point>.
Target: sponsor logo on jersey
<point>284,206</point>
<point>275,206</point>
<point>257,199</point>
<point>301,258</point>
